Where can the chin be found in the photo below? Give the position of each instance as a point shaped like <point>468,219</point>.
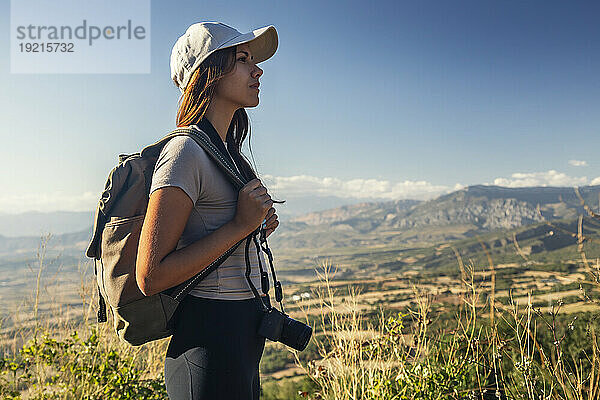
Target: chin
<point>253,104</point>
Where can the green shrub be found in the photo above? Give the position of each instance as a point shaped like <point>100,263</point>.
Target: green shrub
<point>75,368</point>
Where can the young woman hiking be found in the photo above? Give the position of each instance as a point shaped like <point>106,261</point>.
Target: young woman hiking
<point>195,214</point>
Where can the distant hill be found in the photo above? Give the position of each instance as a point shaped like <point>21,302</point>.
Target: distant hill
<point>457,215</point>
<point>35,223</point>
<point>73,243</point>
<point>349,212</point>
<point>495,207</point>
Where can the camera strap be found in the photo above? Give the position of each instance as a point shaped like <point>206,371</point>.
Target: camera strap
<point>276,284</point>
<point>263,274</point>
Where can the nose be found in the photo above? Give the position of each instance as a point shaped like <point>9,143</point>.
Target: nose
<point>257,72</point>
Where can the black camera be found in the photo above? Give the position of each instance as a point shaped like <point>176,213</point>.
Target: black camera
<point>278,327</point>
<point>275,325</point>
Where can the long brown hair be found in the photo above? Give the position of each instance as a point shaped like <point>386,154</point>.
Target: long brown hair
<point>198,95</point>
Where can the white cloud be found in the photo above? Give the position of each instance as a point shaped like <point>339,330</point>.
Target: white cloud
<point>305,185</point>
<point>302,185</point>
<point>46,202</point>
<point>578,163</point>
<point>548,178</point>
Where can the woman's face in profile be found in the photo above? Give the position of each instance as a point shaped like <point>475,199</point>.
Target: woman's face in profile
<point>237,86</point>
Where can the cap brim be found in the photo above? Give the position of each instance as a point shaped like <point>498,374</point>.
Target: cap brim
<point>263,42</point>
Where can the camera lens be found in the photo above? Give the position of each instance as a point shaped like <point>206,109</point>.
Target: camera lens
<point>295,334</point>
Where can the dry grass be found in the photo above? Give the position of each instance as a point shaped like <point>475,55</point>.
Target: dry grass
<point>404,358</point>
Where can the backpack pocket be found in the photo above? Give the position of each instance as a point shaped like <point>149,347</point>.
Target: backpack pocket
<point>145,319</point>
<point>119,246</point>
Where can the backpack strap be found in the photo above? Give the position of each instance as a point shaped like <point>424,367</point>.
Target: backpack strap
<point>203,141</point>
<point>180,291</point>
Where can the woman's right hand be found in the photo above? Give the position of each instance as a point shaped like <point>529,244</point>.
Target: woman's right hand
<point>253,205</point>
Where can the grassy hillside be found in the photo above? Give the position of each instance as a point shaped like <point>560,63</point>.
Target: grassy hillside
<point>507,313</point>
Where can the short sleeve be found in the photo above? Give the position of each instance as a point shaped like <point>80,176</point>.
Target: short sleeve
<point>180,164</point>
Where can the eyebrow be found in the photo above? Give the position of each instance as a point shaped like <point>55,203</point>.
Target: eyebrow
<point>245,52</point>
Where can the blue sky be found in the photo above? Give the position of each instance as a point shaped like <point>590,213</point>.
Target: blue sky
<point>378,100</point>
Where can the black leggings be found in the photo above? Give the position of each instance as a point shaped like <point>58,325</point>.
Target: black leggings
<point>215,350</point>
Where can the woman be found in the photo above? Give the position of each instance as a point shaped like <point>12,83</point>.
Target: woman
<point>195,214</point>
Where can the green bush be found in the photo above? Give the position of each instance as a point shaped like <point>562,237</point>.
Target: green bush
<point>75,368</point>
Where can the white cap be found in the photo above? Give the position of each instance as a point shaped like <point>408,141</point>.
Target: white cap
<point>202,39</point>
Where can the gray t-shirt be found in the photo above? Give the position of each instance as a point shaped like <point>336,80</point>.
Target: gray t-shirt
<point>184,164</point>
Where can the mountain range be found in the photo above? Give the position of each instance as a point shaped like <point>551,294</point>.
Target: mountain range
<point>453,216</point>
<point>457,215</point>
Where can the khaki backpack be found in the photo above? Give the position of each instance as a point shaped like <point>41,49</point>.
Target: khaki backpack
<point>117,225</point>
